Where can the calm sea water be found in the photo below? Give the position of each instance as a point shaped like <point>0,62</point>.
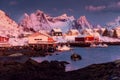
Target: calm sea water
<point>89,56</point>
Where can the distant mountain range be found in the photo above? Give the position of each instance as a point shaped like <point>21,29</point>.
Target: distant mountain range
<point>40,21</point>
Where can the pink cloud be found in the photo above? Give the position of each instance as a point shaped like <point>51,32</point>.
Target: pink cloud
<point>95,8</point>
<point>13,3</point>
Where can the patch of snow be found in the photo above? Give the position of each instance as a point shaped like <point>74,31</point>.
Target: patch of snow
<point>18,41</point>
<point>83,23</point>
<point>108,39</point>
<point>59,39</point>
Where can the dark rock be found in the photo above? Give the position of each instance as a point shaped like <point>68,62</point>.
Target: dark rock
<point>76,57</point>
<point>55,70</point>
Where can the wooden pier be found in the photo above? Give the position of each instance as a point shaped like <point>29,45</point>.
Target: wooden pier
<point>87,44</point>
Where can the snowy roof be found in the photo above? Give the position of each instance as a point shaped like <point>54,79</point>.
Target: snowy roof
<point>83,35</point>
<point>117,27</point>
<point>57,29</point>
<point>74,30</point>
<point>38,33</point>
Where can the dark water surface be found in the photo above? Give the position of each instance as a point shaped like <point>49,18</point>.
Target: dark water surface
<point>89,56</point>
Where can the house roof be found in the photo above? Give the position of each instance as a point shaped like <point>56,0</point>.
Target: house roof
<point>74,30</point>
<point>57,30</point>
<point>117,27</point>
<point>85,36</point>
<point>38,33</point>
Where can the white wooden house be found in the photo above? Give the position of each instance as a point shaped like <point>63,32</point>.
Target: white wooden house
<point>56,32</point>
<point>40,38</point>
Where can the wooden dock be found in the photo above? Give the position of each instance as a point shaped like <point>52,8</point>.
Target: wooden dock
<point>87,44</point>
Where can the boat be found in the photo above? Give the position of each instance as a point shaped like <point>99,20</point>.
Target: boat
<point>105,45</point>
<point>63,48</point>
<point>98,45</point>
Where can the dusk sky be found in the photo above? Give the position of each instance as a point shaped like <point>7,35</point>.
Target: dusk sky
<point>96,11</point>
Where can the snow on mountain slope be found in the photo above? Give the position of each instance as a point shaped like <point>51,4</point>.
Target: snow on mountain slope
<point>83,23</point>
<point>109,39</point>
<point>114,23</point>
<point>41,21</point>
<point>8,27</point>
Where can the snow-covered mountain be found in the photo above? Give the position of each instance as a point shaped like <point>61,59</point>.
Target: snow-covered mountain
<point>41,21</point>
<point>114,23</point>
<point>8,27</point>
<point>113,28</point>
<point>83,23</point>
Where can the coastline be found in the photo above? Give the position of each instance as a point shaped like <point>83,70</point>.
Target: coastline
<point>55,70</point>
<point>36,51</point>
<point>13,69</point>
<point>87,44</point>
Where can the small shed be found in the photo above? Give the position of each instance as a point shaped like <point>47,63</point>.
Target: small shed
<point>56,32</point>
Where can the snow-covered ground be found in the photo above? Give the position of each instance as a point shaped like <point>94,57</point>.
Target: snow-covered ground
<point>108,39</point>
<point>18,41</point>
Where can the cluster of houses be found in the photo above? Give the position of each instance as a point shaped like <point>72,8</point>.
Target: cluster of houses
<point>53,37</point>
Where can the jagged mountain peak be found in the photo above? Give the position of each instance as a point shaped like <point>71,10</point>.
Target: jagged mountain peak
<point>26,15</point>
<point>39,11</point>
<point>83,22</point>
<point>41,21</point>
<point>83,17</point>
<point>8,27</point>
<point>6,21</point>
<point>63,15</point>
<point>2,12</point>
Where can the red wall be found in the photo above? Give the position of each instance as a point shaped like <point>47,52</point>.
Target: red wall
<point>89,38</point>
<point>83,39</point>
<point>79,39</point>
<point>3,39</point>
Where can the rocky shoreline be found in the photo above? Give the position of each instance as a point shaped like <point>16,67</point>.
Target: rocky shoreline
<point>87,44</point>
<point>36,51</point>
<point>54,70</point>
<point>24,68</point>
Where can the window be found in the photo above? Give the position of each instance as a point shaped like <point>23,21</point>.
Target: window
<point>37,39</point>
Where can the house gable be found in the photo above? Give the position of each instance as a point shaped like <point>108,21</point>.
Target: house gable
<point>39,38</point>
<point>73,32</point>
<point>56,32</point>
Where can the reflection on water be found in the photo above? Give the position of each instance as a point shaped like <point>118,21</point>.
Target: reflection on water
<point>89,56</point>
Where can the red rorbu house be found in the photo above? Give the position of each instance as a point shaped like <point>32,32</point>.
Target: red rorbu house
<point>85,38</point>
<point>4,41</point>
